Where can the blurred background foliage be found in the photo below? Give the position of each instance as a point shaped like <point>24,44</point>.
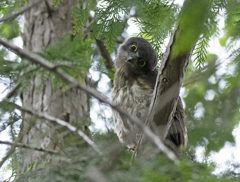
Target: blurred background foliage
<point>210,90</point>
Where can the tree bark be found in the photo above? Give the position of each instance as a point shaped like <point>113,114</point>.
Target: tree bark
<point>44,26</point>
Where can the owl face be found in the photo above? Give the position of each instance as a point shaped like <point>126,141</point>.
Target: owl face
<point>137,55</point>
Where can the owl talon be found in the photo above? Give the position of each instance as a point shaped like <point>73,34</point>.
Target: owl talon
<point>133,147</point>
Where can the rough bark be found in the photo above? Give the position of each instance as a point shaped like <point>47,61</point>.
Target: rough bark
<point>44,26</point>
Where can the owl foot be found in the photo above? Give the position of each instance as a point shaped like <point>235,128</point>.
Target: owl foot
<point>132,147</point>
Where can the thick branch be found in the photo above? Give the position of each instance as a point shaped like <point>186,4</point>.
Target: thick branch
<point>75,83</point>
<point>28,147</point>
<point>174,63</point>
<point>15,15</point>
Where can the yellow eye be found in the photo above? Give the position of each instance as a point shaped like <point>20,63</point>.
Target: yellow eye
<point>142,62</point>
<point>134,47</point>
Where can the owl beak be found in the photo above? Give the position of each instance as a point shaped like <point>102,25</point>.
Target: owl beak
<point>131,57</point>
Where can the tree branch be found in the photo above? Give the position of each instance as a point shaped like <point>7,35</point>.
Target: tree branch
<point>13,91</point>
<point>60,122</point>
<point>28,147</point>
<point>75,83</point>
<point>15,15</point>
<point>173,67</point>
<point>105,54</point>
<point>174,64</point>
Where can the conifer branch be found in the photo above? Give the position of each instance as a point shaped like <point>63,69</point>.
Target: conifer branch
<point>21,145</point>
<point>15,15</point>
<point>199,75</point>
<point>75,83</point>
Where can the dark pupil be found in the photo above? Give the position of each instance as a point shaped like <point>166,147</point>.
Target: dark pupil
<point>141,62</point>
<point>133,48</point>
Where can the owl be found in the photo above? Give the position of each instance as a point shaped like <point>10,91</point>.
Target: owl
<point>134,81</point>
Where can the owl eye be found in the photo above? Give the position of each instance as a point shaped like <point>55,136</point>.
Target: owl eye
<point>142,62</point>
<point>134,47</point>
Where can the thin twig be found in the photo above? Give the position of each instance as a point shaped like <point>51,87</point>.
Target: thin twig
<point>28,147</point>
<point>60,122</point>
<point>66,77</point>
<point>13,91</point>
<point>15,15</point>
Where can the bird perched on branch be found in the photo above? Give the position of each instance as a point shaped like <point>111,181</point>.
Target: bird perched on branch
<point>134,81</point>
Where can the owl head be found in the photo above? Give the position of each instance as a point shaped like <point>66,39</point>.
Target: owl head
<point>137,55</point>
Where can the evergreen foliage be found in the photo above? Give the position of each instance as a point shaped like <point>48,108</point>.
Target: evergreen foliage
<point>211,96</point>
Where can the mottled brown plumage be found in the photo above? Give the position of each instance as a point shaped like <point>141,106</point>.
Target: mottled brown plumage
<point>134,82</point>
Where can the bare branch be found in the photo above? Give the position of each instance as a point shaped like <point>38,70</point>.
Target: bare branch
<point>15,15</point>
<point>105,54</point>
<point>166,91</point>
<point>28,147</point>
<point>13,91</point>
<point>75,83</point>
<point>60,122</point>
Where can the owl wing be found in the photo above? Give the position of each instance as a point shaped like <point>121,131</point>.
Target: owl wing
<point>177,132</point>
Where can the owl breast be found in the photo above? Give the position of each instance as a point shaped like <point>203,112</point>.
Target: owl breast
<point>135,99</point>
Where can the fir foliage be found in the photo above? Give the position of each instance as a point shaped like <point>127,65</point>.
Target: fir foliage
<point>232,26</point>
<point>210,29</point>
<point>156,22</point>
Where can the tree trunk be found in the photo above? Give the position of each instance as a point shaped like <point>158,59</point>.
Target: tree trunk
<point>44,26</point>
